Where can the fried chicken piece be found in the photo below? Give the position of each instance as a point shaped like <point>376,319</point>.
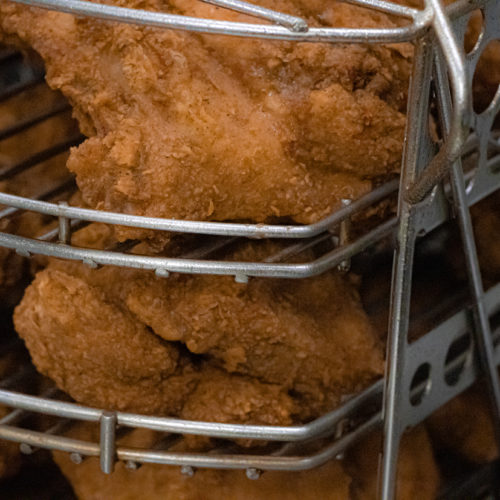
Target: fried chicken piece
<point>310,336</point>
<point>486,221</point>
<point>164,482</point>
<point>311,340</point>
<point>103,356</point>
<point>353,479</point>
<point>418,474</point>
<point>190,126</point>
<point>465,426</point>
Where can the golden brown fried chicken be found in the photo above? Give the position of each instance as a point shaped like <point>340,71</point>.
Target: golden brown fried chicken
<point>209,127</point>
<point>102,355</point>
<point>157,481</point>
<point>86,327</point>
<point>310,336</point>
<point>465,426</point>
<point>418,475</point>
<point>353,479</point>
<point>486,221</point>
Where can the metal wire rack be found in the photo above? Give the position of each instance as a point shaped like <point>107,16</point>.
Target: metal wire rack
<point>433,187</point>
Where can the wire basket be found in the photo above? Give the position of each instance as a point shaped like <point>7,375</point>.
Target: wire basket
<point>433,186</point>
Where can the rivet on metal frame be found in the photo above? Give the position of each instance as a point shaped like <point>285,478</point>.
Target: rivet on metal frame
<point>162,273</point>
<point>253,474</point>
<point>187,470</point>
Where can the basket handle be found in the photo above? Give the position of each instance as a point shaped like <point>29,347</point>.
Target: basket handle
<point>459,128</point>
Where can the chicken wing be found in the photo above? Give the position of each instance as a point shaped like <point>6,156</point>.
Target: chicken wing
<point>189,126</point>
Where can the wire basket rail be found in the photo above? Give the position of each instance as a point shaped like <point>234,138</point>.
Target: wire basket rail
<point>433,187</point>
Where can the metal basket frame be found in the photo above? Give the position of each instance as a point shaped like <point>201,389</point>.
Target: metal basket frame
<point>425,202</point>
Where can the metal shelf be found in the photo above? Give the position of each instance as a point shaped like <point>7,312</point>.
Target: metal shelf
<point>425,203</point>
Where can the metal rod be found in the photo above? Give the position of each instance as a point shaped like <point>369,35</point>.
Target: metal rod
<point>35,159</point>
<point>33,120</point>
<point>297,248</point>
<point>291,22</point>
<point>387,7</point>
<point>402,272</point>
<point>14,417</point>
<point>64,227</point>
<point>52,234</point>
<point>47,441</point>
<point>173,21</point>
<point>459,127</point>
<point>108,445</point>
<point>482,330</point>
<point>203,227</point>
<point>56,429</point>
<point>344,237</point>
<point>212,247</point>
<point>322,426</point>
<point>168,264</point>
<point>51,193</point>
<point>20,87</point>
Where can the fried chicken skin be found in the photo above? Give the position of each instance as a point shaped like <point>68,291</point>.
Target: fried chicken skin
<point>163,482</point>
<point>418,473</point>
<point>307,344</point>
<point>102,355</point>
<point>310,336</point>
<point>355,478</point>
<point>465,426</point>
<point>189,126</point>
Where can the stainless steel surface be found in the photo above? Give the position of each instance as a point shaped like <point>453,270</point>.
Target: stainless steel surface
<point>399,413</point>
<point>107,450</point>
<point>292,22</point>
<point>397,345</point>
<point>399,400</point>
<point>172,21</point>
<point>482,328</point>
<point>459,123</point>
<point>203,227</point>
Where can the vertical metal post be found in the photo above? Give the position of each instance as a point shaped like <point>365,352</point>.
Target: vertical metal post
<point>64,227</point>
<point>108,442</point>
<point>482,330</point>
<point>394,389</point>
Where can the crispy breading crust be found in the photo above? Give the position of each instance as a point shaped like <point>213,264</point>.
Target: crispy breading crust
<point>208,127</point>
